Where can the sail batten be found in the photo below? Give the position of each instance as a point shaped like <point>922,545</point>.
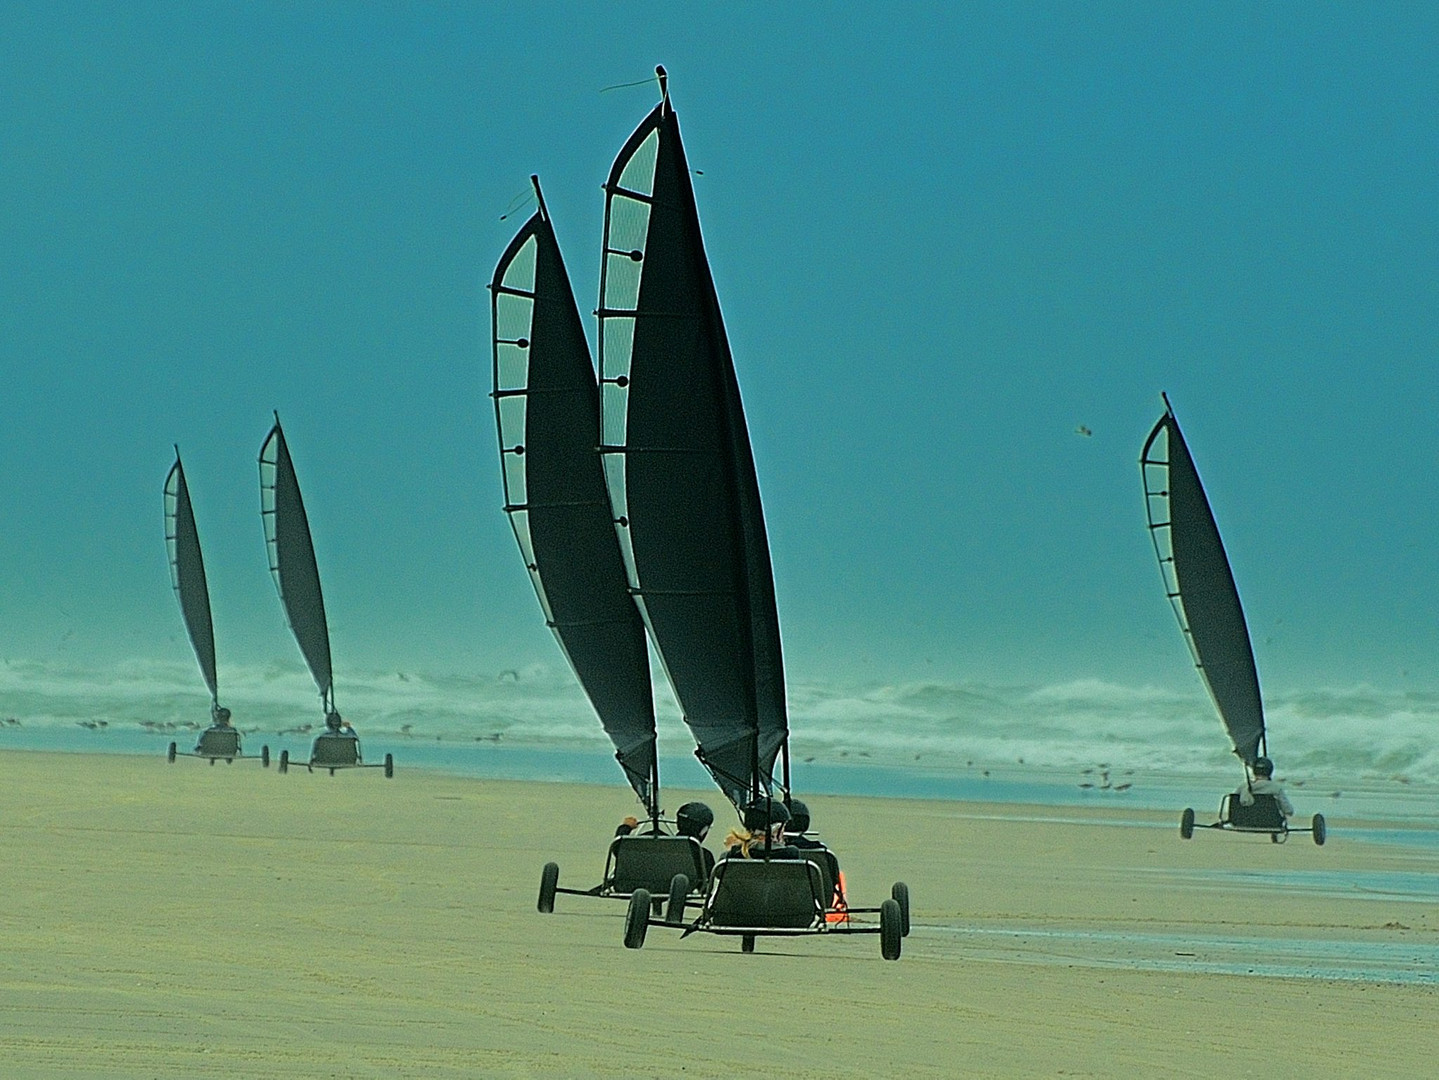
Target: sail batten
<point>548,418</point>
<point>292,560</point>
<point>1199,584</point>
<point>680,467</point>
<point>187,574</point>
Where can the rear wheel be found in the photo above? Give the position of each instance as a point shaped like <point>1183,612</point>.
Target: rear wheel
<point>389,766</point>
<point>284,761</point>
<point>900,894</point>
<point>679,889</point>
<point>549,880</point>
<point>1320,832</point>
<point>1186,823</point>
<point>889,930</point>
<point>637,919</point>
<point>170,755</point>
<point>746,943</point>
<point>265,756</point>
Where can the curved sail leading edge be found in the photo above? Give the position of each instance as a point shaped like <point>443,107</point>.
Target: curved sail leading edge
<point>680,469</point>
<point>292,559</point>
<point>547,412</point>
<point>1202,589</point>
<point>187,574</point>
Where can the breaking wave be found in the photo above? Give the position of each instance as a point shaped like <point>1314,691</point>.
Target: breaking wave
<point>1356,732</point>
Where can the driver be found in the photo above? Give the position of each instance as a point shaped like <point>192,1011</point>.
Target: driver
<point>694,819</point>
<point>763,836</point>
<point>794,834</point>
<point>1265,784</point>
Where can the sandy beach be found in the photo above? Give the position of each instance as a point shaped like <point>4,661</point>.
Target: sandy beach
<point>160,920</point>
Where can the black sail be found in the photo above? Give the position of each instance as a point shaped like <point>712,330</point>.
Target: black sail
<point>547,410</point>
<point>292,559</point>
<point>680,470</point>
<point>1201,585</point>
<point>187,573</point>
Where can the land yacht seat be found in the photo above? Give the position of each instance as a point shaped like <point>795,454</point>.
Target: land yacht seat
<point>651,862</point>
<point>1262,815</point>
<point>332,751</point>
<point>219,742</point>
<point>774,894</point>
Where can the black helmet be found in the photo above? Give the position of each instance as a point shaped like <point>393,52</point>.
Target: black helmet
<point>1263,767</point>
<point>762,813</point>
<point>693,819</point>
<point>798,817</point>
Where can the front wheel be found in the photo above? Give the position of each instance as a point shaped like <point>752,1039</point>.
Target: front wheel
<point>265,756</point>
<point>889,930</point>
<point>746,943</point>
<point>679,889</point>
<point>389,766</point>
<point>284,761</point>
<point>170,755</point>
<point>1320,832</point>
<point>899,893</point>
<point>1186,823</point>
<point>637,919</point>
<point>549,881</point>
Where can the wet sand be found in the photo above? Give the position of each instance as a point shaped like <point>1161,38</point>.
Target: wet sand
<point>163,919</point>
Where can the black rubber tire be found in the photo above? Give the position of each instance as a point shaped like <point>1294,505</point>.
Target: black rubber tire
<point>549,879</point>
<point>637,919</point>
<point>1274,838</point>
<point>1186,823</point>
<point>284,761</point>
<point>265,756</point>
<point>1321,831</point>
<point>890,938</point>
<point>213,760</point>
<point>746,943</point>
<point>170,755</point>
<point>899,893</point>
<point>389,766</point>
<point>679,889</point>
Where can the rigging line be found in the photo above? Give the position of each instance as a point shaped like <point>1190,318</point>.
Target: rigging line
<point>517,202</point>
<point>627,85</point>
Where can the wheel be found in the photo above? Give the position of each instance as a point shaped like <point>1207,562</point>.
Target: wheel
<point>1186,823</point>
<point>212,761</point>
<point>1274,838</point>
<point>284,761</point>
<point>265,756</point>
<point>332,772</point>
<point>389,766</point>
<point>746,943</point>
<point>890,936</point>
<point>679,889</point>
<point>1320,832</point>
<point>170,756</point>
<point>549,879</point>
<point>899,892</point>
<point>637,919</point>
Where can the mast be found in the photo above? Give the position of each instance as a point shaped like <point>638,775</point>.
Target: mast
<point>187,575</point>
<point>547,413</point>
<point>1200,584</point>
<point>679,464</point>
<point>292,560</point>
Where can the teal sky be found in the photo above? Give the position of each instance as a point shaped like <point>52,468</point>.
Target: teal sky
<point>942,242</point>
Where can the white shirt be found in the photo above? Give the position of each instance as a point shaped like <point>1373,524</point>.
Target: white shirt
<point>1262,786</point>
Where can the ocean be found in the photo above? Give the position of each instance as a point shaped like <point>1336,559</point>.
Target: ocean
<point>1056,744</point>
